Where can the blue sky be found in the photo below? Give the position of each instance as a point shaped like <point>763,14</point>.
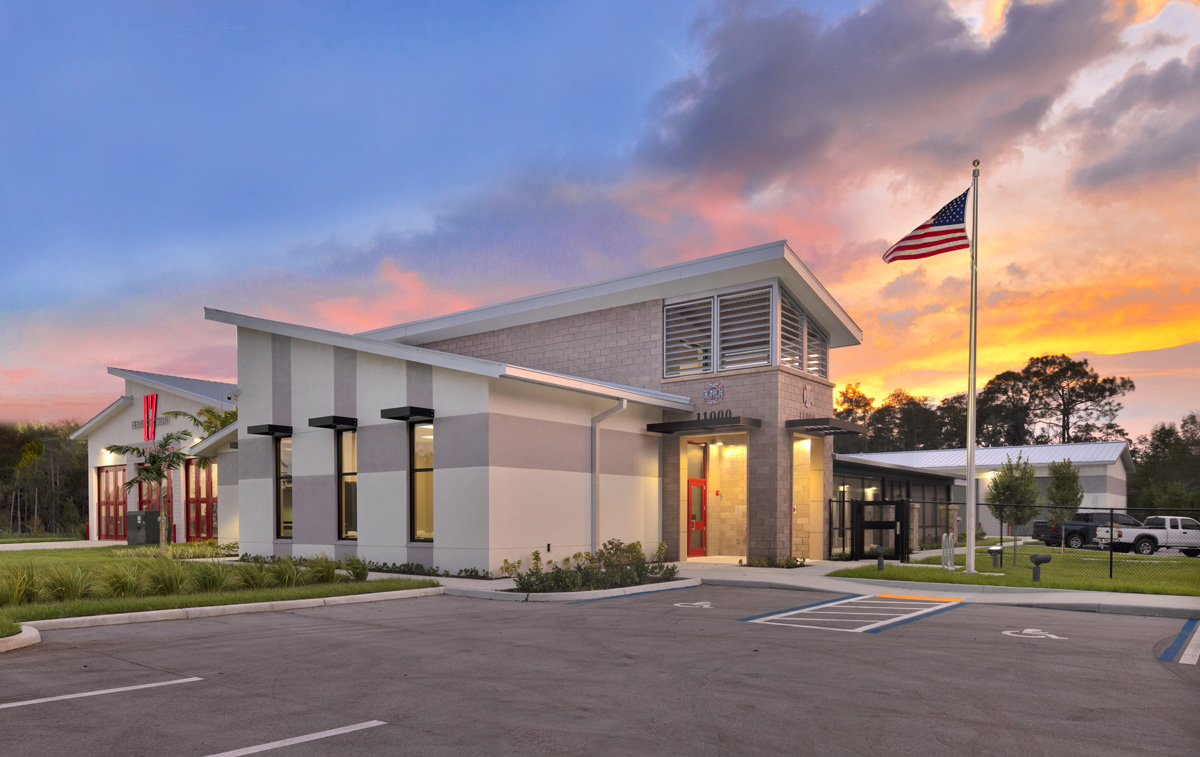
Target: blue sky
<point>353,165</point>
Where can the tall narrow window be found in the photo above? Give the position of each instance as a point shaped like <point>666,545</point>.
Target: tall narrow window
<point>283,488</point>
<point>347,442</point>
<point>420,444</point>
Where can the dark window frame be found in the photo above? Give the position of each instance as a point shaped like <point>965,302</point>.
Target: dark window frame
<point>338,437</point>
<point>413,470</point>
<point>279,489</point>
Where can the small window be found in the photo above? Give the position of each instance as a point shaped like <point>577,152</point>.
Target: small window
<point>347,445</point>
<point>688,338</point>
<point>420,481</point>
<point>283,488</point>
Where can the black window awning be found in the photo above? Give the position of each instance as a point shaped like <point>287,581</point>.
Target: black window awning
<point>407,413</point>
<point>335,422</point>
<point>736,423</point>
<point>270,429</point>
<point>825,426</point>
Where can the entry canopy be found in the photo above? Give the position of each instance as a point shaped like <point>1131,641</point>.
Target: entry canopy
<point>407,413</point>
<point>736,423</point>
<point>825,426</point>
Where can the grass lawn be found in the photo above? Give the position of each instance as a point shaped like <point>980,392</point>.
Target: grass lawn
<point>90,559</point>
<point>1074,569</point>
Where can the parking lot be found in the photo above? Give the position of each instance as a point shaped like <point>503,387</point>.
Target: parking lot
<point>708,670</point>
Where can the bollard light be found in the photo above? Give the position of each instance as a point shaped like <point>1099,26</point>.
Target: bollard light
<point>996,551</point>
<point>1038,561</point>
<point>879,551</point>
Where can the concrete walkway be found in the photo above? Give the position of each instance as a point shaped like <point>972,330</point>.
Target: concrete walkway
<point>59,545</point>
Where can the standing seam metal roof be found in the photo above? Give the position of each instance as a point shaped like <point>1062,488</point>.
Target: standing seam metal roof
<point>1105,453</point>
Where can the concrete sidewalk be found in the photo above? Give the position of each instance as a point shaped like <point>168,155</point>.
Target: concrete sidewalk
<point>59,545</point>
<point>813,577</point>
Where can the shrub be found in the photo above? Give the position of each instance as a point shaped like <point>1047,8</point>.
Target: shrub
<point>323,570</point>
<point>123,580</point>
<point>286,573</point>
<point>212,576</point>
<point>614,565</point>
<point>790,561</point>
<point>253,575</point>
<point>167,577</point>
<point>17,587</point>
<point>357,567</point>
<point>65,583</point>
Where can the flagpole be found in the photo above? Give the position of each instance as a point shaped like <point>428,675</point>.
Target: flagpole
<point>971,485</point>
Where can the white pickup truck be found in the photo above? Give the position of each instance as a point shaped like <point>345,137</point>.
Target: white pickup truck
<point>1158,532</point>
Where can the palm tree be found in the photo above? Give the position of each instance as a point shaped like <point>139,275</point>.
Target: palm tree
<point>208,419</point>
<point>157,462</point>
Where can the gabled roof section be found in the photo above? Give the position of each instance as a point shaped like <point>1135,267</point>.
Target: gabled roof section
<point>206,392</point>
<point>83,431</point>
<point>477,366</point>
<point>753,264</point>
<point>1081,453</point>
<point>208,446</point>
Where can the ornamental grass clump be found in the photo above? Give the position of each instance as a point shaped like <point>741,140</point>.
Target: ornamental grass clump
<point>286,573</point>
<point>18,586</point>
<point>253,575</point>
<point>213,577</point>
<point>65,583</point>
<point>357,567</point>
<point>323,570</point>
<point>122,580</point>
<point>166,578</point>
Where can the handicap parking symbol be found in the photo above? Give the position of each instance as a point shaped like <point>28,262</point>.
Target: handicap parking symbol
<point>701,605</point>
<point>1032,633</point>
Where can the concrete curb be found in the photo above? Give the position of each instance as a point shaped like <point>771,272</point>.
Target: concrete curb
<point>940,587</point>
<point>28,635</point>
<point>568,596</point>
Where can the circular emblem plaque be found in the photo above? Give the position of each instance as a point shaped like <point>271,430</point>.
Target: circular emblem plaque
<point>714,393</point>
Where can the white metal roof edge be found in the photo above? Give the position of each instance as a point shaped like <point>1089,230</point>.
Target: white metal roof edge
<point>600,388</point>
<point>461,322</point>
<point>477,366</point>
<point>163,386</point>
<point>853,460</point>
<point>1123,456</point>
<point>215,440</point>
<point>98,418</point>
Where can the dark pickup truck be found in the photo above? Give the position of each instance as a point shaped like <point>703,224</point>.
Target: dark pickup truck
<point>1080,530</point>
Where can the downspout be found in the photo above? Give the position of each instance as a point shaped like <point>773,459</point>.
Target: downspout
<point>596,421</point>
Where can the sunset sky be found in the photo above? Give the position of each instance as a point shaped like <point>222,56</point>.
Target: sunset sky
<point>356,165</point>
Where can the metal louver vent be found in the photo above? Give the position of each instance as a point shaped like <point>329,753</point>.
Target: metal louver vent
<point>818,353</point>
<point>688,338</point>
<point>791,334</point>
<point>744,329</point>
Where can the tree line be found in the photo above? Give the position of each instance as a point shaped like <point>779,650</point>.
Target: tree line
<point>43,478</point>
<point>1053,399</point>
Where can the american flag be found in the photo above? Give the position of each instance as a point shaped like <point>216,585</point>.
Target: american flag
<point>945,232</point>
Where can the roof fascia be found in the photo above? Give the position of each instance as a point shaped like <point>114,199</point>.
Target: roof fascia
<point>774,260</point>
<point>164,387</point>
<point>82,431</point>
<point>212,442</point>
<point>477,366</point>
<point>586,386</point>
<point>927,472</point>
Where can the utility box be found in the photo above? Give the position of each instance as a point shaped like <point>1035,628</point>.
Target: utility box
<point>141,527</point>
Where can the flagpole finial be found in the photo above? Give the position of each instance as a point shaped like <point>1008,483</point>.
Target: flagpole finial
<point>975,163</point>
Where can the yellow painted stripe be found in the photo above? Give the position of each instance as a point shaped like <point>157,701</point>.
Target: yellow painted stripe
<point>910,596</point>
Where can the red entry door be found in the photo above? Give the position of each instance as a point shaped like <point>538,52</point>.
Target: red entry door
<point>200,500</point>
<point>148,499</point>
<point>110,502</point>
<point>697,505</point>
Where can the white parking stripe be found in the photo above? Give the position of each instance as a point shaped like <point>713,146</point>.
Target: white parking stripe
<point>300,739</point>
<point>1191,655</point>
<point>865,613</point>
<point>97,693</point>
